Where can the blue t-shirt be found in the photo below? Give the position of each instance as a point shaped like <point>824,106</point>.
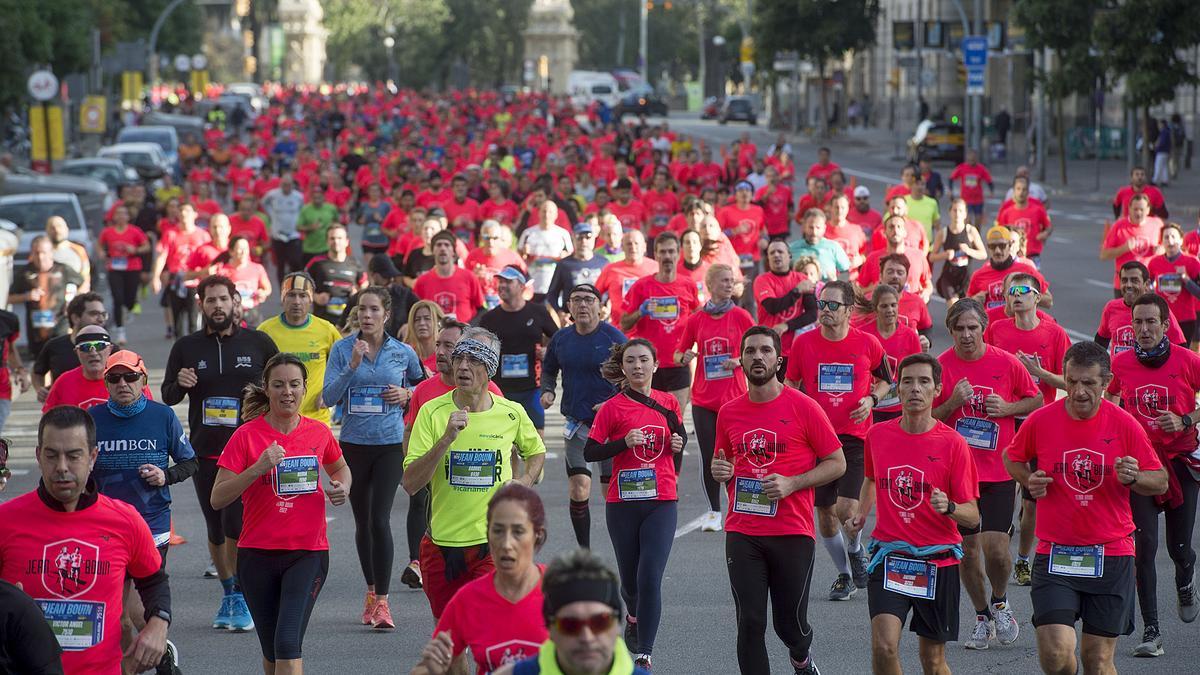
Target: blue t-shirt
<point>366,418</point>
<point>579,358</point>
<point>153,436</point>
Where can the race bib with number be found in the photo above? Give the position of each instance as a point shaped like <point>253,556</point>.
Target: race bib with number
<point>664,309</point>
<point>119,264</point>
<point>514,365</point>
<point>297,476</point>
<point>570,428</point>
<point>1077,561</point>
<point>979,433</point>
<point>472,468</point>
<point>634,484</point>
<point>911,577</point>
<point>367,400</point>
<point>42,318</point>
<point>748,498</point>
<point>221,411</point>
<point>835,378</point>
<point>336,306</point>
<point>1170,284</point>
<point>714,367</point>
<point>76,624</point>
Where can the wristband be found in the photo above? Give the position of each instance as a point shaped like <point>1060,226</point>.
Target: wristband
<point>874,399</point>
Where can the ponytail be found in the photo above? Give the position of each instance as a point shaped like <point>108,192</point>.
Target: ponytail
<point>255,402</point>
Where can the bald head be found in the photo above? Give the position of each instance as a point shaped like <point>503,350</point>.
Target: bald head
<point>57,229</point>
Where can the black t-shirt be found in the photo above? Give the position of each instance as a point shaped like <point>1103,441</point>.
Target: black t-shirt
<point>520,333</point>
<point>340,280</point>
<point>417,263</point>
<point>44,318</point>
<point>570,272</point>
<point>27,645</point>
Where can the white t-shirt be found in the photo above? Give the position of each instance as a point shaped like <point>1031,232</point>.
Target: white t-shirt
<point>550,242</point>
<point>284,211</point>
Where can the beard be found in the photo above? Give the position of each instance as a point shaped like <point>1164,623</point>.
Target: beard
<point>218,326</point>
<point>760,380</point>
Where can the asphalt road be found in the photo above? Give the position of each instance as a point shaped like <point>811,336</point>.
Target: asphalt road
<point>697,633</point>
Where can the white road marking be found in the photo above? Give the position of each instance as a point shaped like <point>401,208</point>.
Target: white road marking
<point>1059,240</point>
<point>691,526</point>
<point>887,180</point>
<point>19,472</point>
<point>1097,283</point>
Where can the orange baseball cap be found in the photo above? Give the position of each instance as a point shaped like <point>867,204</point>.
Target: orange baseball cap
<point>126,358</point>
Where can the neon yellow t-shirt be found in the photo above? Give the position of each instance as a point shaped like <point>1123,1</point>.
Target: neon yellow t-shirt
<point>310,343</point>
<point>474,467</point>
<point>924,211</point>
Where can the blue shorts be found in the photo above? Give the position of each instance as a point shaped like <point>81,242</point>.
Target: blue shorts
<point>531,401</point>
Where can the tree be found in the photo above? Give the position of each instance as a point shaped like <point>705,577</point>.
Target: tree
<point>357,29</point>
<point>818,30</point>
<point>38,34</point>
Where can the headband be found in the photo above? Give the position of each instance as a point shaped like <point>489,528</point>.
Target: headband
<point>297,281</point>
<point>91,336</point>
<point>480,352</point>
<point>580,590</point>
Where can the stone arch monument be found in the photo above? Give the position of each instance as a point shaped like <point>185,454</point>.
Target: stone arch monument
<point>551,34</point>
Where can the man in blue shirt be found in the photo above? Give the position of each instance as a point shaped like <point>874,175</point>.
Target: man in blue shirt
<point>828,254</point>
<point>581,267</point>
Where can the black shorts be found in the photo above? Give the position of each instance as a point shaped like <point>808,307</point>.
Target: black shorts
<point>878,416</point>
<point>935,619</point>
<point>1024,490</point>
<point>995,508</point>
<point>672,379</point>
<point>1189,330</point>
<point>162,554</point>
<point>850,483</point>
<point>1105,604</point>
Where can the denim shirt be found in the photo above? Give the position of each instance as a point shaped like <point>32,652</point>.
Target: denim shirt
<point>367,419</point>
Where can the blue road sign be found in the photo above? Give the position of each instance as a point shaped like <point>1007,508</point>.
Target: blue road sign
<point>975,51</point>
<point>975,81</point>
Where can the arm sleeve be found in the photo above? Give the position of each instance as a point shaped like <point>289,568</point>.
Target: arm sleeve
<point>550,366</point>
<point>41,365</point>
<point>781,304</point>
<point>172,393</point>
<point>595,451</point>
<point>808,315</point>
<point>557,284</point>
<point>182,471</point>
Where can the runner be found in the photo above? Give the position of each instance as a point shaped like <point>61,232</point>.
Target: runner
<point>491,257</point>
<point>120,249</point>
<point>846,372</point>
<point>543,244</point>
<point>972,176</point>
<point>283,204</point>
<point>211,367</point>
<point>812,243</point>
<point>1157,383</point>
<point>987,282</point>
<point>83,386</point>
<point>307,337</point>
<point>618,276</point>
<point>1115,332</point>
<point>919,279</point>
<point>715,331</point>
<point>774,446</point>
<point>273,460</point>
<point>640,430</point>
<point>578,351</point>
<point>583,266</point>
<point>1174,274</point>
<point>516,532</point>
<point>915,548</point>
<point>464,467</point>
<point>168,278</point>
<point>1027,217</point>
<point>371,375</point>
<point>455,290</point>
<point>1138,187</point>
<point>314,222</point>
<point>28,645</point>
<point>66,510</point>
<point>898,341</point>
<point>787,300</point>
<point>1084,568</point>
<point>250,278</point>
<point>956,245</point>
<point>44,287</point>
<point>1136,237</point>
<point>420,332</point>
<point>983,389</point>
<point>336,275</point>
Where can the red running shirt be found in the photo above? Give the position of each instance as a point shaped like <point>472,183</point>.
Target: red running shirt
<point>718,340</point>
<point>904,341</point>
<point>1032,220</point>
<point>1145,236</point>
<point>770,285</point>
<point>1116,324</point>
<point>785,436</point>
<point>121,248</point>
<point>837,375</point>
<point>285,508</point>
<point>973,176</point>
<point>671,305</point>
<point>459,294</point>
<point>617,278</point>
<point>919,274</point>
<point>906,468</point>
<point>777,208</point>
<point>996,372</point>
<point>643,472</point>
<point>471,617</point>
<point>743,227</point>
<point>1086,504</point>
<point>1048,342</point>
<point>1147,393</point>
<point>1168,277</point>
<point>989,280</point>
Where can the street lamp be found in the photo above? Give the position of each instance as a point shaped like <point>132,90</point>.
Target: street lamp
<point>718,42</point>
<point>390,43</point>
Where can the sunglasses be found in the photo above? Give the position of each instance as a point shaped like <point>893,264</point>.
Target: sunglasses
<point>597,623</point>
<point>93,346</point>
<point>997,247</point>
<point>1022,290</point>
<point>831,305</point>
<point>584,299</point>
<point>130,377</point>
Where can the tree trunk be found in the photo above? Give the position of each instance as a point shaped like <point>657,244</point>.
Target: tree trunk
<point>1149,129</point>
<point>823,123</point>
<point>1060,131</point>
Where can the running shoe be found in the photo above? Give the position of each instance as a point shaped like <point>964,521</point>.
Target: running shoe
<point>1186,597</point>
<point>842,589</point>
<point>224,616</point>
<point>137,308</point>
<point>1151,643</point>
<point>808,668</point>
<point>1022,572</point>
<point>411,576</point>
<point>712,522</point>
<point>210,572</point>
<point>631,636</point>
<point>984,632</point>
<point>381,618</point>
<point>368,609</point>
<point>858,568</point>
<point>169,664</point>
<point>240,620</point>
<point>643,661</point>
<point>1007,628</point>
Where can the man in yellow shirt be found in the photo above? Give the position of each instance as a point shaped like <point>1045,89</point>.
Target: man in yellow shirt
<point>296,331</point>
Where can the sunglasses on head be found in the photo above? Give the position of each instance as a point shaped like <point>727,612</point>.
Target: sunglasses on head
<point>93,346</point>
<point>831,305</point>
<point>1022,290</point>
<point>597,623</point>
<point>130,377</point>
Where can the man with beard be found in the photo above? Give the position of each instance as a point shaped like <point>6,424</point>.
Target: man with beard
<point>457,291</point>
<point>211,367</point>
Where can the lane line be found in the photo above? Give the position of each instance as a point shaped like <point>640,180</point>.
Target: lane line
<point>886,180</point>
<point>1059,240</point>
<point>1097,283</point>
<point>690,526</point>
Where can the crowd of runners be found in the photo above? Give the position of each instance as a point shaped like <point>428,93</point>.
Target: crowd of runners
<point>517,254</point>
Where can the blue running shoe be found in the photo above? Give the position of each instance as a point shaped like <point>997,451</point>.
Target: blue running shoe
<point>239,614</point>
<point>224,615</point>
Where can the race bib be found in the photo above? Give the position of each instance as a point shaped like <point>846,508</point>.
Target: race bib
<point>835,378</point>
<point>336,306</point>
<point>76,624</point>
<point>748,498</point>
<point>634,484</point>
<point>714,367</point>
<point>42,318</point>
<point>979,433</point>
<point>514,365</point>
<point>626,285</point>
<point>472,468</point>
<point>570,428</point>
<point>911,577</point>
<point>892,398</point>
<point>297,476</point>
<point>1077,561</point>
<point>664,309</point>
<point>221,411</point>
<point>971,181</point>
<point>367,400</point>
<point>119,264</point>
<point>1170,284</point>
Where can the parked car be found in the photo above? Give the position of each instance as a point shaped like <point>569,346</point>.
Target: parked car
<point>112,171</point>
<point>185,125</point>
<point>251,91</point>
<point>166,137</point>
<point>740,108</point>
<point>711,108</point>
<point>642,101</point>
<point>937,141</point>
<point>138,155</point>
<point>93,196</point>
<point>29,213</point>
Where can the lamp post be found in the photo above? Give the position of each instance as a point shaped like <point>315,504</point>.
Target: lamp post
<point>718,42</point>
<point>390,43</point>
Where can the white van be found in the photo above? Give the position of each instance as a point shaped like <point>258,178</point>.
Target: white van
<point>585,86</point>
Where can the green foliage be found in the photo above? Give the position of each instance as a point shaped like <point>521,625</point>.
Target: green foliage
<point>357,29</point>
<point>820,30</point>
<point>1149,44</point>
<point>671,37</point>
<point>1056,25</point>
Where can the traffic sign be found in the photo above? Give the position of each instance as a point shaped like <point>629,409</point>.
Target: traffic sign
<point>91,115</point>
<point>199,62</point>
<point>183,63</point>
<point>42,85</point>
<point>975,51</point>
<point>975,82</point>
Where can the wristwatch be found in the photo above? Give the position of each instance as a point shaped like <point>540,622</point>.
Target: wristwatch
<point>874,399</point>
<point>1187,421</point>
<point>164,615</point>
<point>950,509</point>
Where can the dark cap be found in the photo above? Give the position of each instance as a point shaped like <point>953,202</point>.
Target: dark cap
<point>383,266</point>
<point>586,288</point>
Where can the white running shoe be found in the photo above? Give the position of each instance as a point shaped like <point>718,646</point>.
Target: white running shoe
<point>984,631</point>
<point>1007,628</point>
<point>712,522</point>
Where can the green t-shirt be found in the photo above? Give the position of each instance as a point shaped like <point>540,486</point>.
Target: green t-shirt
<point>322,217</point>
<point>474,467</point>
<point>924,211</point>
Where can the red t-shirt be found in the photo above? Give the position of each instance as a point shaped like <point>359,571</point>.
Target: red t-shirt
<point>631,215</point>
<point>718,340</point>
<point>643,472</point>
<point>991,280</point>
<point>777,208</point>
<point>1147,393</point>
<point>1116,324</point>
<point>460,294</point>
<point>822,171</point>
<point>743,227</point>
<point>471,619</point>
<point>74,565</point>
<point>906,468</point>
<point>1126,194</point>
<point>431,388</point>
<point>919,274</point>
<point>786,436</point>
<point>72,388</point>
<point>1145,235</point>
<point>617,278</point>
<point>505,212</point>
<point>1048,343</point>
<point>659,207</point>
<point>479,261</point>
<point>252,228</point>
<point>996,372</point>
<point>1086,504</point>
<point>462,217</point>
<point>1032,220</point>
<point>837,375</point>
<point>903,342</point>
<point>770,285</point>
<point>121,248</point>
<point>973,177</point>
<point>672,304</point>
<point>868,221</point>
<point>914,237</point>
<point>178,247</point>
<point>1168,277</point>
<point>850,237</point>
<point>285,508</point>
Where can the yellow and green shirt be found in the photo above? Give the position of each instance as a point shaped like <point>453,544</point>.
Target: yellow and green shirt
<point>310,342</point>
